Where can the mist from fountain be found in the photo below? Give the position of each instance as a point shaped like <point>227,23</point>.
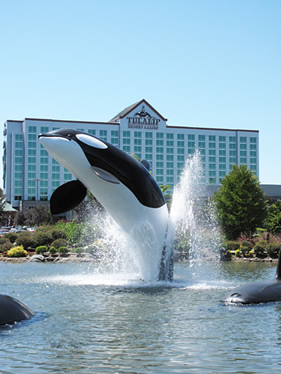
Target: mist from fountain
<point>193,217</point>
<point>192,230</point>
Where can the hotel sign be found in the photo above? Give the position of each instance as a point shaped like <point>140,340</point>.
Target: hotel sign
<point>143,120</point>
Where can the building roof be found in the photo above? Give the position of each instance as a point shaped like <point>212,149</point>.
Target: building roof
<point>8,208</point>
<point>272,189</point>
<point>127,110</point>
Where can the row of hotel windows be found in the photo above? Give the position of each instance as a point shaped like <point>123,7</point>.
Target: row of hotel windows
<point>224,151</point>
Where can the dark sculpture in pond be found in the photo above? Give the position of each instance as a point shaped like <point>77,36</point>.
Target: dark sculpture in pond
<point>259,292</point>
<point>12,310</point>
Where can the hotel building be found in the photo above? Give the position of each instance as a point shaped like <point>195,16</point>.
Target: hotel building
<point>31,175</point>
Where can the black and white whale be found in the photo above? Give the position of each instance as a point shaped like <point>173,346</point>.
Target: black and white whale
<point>124,187</point>
<point>12,310</point>
<point>258,292</point>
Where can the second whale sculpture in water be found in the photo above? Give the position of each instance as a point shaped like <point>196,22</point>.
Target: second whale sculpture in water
<point>122,185</point>
<point>259,292</point>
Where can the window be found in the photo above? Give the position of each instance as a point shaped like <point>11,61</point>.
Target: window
<point>159,135</point>
<point>181,136</point>
<point>170,136</point>
<point>212,138</point>
<point>221,138</point>
<point>180,143</point>
<point>191,137</point>
<point>201,138</point>
<point>253,140</point>
<point>126,134</point>
<point>243,139</point>
<point>44,129</point>
<point>92,132</point>
<point>232,139</point>
<point>212,145</point>
<point>32,129</point>
<point>148,135</point>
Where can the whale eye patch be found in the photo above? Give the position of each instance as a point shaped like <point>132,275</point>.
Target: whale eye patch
<point>91,141</point>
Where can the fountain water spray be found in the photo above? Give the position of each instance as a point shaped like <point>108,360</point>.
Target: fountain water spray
<point>192,229</point>
<point>192,217</point>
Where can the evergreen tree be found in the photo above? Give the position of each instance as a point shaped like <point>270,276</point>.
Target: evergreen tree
<point>241,204</point>
<point>273,222</point>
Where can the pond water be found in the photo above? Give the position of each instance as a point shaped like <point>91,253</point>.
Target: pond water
<point>89,322</point>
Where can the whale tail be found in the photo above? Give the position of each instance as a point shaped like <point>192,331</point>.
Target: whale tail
<point>278,269</point>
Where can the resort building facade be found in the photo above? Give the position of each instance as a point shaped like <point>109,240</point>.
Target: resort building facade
<point>31,175</point>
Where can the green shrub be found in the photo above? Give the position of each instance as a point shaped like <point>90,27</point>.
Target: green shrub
<point>63,250</point>
<point>232,245</point>
<point>11,236</point>
<point>247,244</point>
<point>42,238</point>
<point>260,248</point>
<point>53,250</point>
<point>41,249</point>
<point>4,247</point>
<point>272,249</point>
<point>77,250</point>
<point>25,239</point>
<point>238,253</point>
<point>18,251</point>
<point>227,254</point>
<point>59,243</point>
<point>244,250</point>
<point>58,234</point>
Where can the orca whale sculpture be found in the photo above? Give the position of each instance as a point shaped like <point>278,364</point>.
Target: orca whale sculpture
<point>124,187</point>
<point>259,292</point>
<point>12,310</point>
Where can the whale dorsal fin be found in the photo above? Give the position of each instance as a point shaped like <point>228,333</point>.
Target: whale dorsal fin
<point>67,197</point>
<point>146,164</point>
<point>278,269</point>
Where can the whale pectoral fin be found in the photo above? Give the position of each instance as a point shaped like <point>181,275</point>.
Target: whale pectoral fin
<point>105,175</point>
<point>67,197</point>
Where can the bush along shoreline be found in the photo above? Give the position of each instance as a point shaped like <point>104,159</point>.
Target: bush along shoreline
<point>263,248</point>
<point>65,242</point>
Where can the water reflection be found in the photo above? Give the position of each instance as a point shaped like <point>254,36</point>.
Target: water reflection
<point>85,325</point>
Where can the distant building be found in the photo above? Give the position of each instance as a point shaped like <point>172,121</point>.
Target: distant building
<point>30,174</point>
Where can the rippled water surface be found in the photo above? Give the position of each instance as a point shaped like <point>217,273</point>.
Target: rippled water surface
<point>87,322</point>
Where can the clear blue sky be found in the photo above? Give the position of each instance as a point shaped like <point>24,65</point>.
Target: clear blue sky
<point>209,63</point>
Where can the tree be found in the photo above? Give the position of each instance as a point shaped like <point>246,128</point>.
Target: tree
<point>39,215</point>
<point>241,204</point>
<point>273,221</point>
<point>2,206</point>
